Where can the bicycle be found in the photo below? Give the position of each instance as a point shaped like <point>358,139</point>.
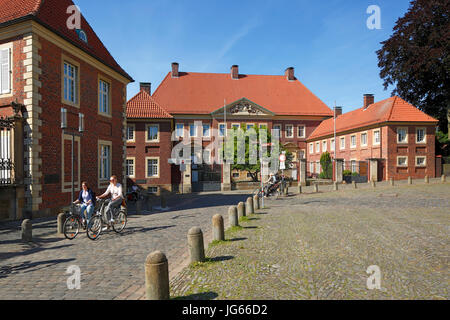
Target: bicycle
<point>100,220</point>
<point>74,222</point>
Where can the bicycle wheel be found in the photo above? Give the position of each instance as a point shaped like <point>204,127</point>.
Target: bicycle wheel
<point>94,228</point>
<point>120,222</point>
<point>71,227</point>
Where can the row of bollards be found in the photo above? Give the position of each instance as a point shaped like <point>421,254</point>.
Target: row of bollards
<point>157,265</point>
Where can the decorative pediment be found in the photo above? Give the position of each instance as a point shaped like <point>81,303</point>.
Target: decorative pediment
<point>244,107</point>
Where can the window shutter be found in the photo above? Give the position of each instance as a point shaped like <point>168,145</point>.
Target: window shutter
<point>5,77</point>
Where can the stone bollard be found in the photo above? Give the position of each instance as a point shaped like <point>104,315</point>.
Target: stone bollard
<point>157,277</point>
<point>391,181</point>
<point>335,186</point>
<point>316,188</point>
<point>300,189</point>
<point>443,178</point>
<point>355,185</point>
<point>233,217</point>
<point>427,179</point>
<point>373,183</point>
<point>241,210</point>
<point>286,190</point>
<point>256,204</point>
<point>195,244</point>
<point>27,231</point>
<point>218,228</point>
<point>149,204</point>
<point>138,207</point>
<point>410,180</point>
<point>60,223</point>
<point>249,210</point>
<point>163,202</point>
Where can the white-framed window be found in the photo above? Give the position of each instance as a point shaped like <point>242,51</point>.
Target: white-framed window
<point>354,166</point>
<point>193,130</point>
<point>129,167</point>
<point>105,161</point>
<point>317,147</point>
<point>152,169</point>
<point>179,130</point>
<point>311,148</point>
<point>131,132</point>
<point>301,132</point>
<point>222,130</point>
<point>324,146</point>
<point>152,133</point>
<point>318,167</point>
<point>207,156</point>
<point>342,144</point>
<point>5,70</point>
<point>353,141</point>
<point>277,127</point>
<point>311,167</point>
<point>332,145</point>
<point>235,126</point>
<point>402,161</point>
<point>153,190</point>
<point>376,137</point>
<point>104,90</point>
<point>250,126</point>
<point>402,135</point>
<point>302,154</point>
<point>263,126</point>
<point>421,161</point>
<point>364,139</point>
<point>70,83</point>
<point>206,130</point>
<point>421,136</point>
<point>289,131</point>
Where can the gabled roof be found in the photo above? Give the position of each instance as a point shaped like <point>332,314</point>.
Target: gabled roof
<point>144,106</point>
<point>393,109</point>
<point>204,93</point>
<point>53,15</point>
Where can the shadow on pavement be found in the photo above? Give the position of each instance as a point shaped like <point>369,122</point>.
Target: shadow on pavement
<point>129,231</point>
<point>29,266</point>
<point>28,251</point>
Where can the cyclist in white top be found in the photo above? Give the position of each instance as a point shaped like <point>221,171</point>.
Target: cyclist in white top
<point>115,190</point>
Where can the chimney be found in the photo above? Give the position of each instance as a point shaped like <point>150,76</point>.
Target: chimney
<point>235,72</point>
<point>175,73</point>
<point>290,74</point>
<point>368,100</point>
<point>338,111</point>
<point>147,87</point>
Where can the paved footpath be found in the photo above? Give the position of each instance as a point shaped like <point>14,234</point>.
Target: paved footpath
<point>113,266</point>
<point>319,246</point>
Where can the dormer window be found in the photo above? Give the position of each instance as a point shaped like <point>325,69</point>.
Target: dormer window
<point>82,35</point>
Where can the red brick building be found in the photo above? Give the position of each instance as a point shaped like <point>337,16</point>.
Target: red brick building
<point>196,101</point>
<point>47,67</point>
<point>383,140</point>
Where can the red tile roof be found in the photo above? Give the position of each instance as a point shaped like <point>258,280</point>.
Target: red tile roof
<point>143,105</point>
<point>203,93</point>
<point>53,15</point>
<point>393,109</point>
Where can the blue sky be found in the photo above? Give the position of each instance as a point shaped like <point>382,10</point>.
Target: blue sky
<point>327,41</point>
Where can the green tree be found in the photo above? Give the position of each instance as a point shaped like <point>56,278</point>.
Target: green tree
<point>415,59</point>
<point>327,166</point>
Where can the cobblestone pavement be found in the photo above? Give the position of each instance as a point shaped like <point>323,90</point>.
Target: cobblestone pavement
<point>319,246</point>
<point>113,266</point>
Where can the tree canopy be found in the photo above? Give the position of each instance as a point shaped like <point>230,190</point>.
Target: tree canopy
<point>415,59</point>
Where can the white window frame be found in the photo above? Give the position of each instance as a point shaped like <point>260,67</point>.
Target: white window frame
<point>6,67</point>
<point>157,168</point>
<point>304,131</point>
<point>129,126</point>
<point>263,125</point>
<point>340,143</point>
<point>150,190</point>
<point>132,165</point>
<point>406,135</point>
<point>353,146</point>
<point>318,147</point>
<point>398,163</point>
<point>147,126</point>
<point>353,166</point>
<point>182,130</point>
<point>104,178</point>
<point>367,139</point>
<point>292,131</point>
<point>318,167</point>
<point>75,80</point>
<point>332,145</point>
<point>324,146</point>
<point>247,125</point>
<point>235,126</point>
<point>311,167</point>
<point>219,130</point>
<point>424,163</point>
<point>311,148</point>
<point>424,135</point>
<point>375,143</point>
<point>104,95</point>
<point>203,130</point>
<point>278,127</point>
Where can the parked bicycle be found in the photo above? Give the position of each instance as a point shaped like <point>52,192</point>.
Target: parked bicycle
<point>100,222</point>
<point>74,222</point>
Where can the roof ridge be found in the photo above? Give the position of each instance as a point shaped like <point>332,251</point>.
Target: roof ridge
<point>391,109</point>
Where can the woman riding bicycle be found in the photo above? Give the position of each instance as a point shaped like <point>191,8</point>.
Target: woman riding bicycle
<point>87,201</point>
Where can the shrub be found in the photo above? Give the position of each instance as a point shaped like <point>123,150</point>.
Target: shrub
<point>355,174</point>
<point>347,173</point>
<point>327,166</point>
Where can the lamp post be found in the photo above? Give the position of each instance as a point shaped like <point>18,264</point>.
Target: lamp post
<point>72,132</point>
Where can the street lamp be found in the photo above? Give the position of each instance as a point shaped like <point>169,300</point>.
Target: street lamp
<point>72,132</point>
